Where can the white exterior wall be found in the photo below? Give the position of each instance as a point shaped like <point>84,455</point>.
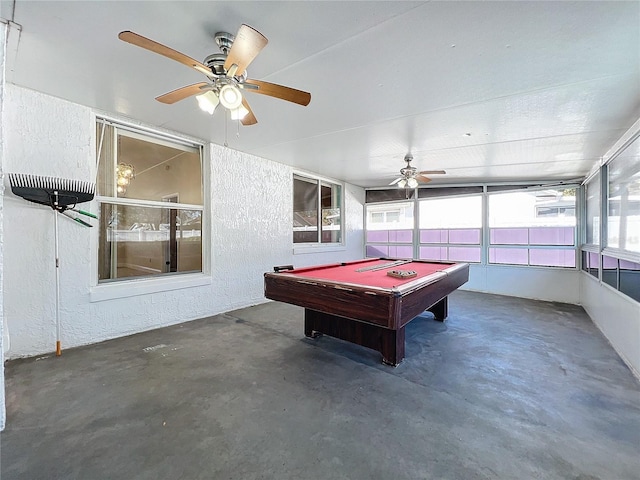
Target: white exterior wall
<point>250,233</point>
<point>616,315</point>
<point>3,45</point>
<point>544,283</point>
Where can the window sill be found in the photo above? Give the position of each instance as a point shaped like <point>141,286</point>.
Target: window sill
<point>135,287</point>
<point>537,267</point>
<point>621,254</point>
<point>301,249</point>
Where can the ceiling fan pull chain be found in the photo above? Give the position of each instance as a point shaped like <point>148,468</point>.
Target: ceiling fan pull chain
<point>226,144</point>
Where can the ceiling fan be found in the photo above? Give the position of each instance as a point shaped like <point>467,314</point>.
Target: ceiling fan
<point>226,74</point>
<point>410,176</point>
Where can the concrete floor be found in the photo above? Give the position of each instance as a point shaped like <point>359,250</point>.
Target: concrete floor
<point>505,389</point>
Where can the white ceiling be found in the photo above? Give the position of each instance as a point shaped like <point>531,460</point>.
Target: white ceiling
<point>543,88</point>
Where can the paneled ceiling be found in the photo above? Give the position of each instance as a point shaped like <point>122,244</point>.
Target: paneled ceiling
<point>488,91</point>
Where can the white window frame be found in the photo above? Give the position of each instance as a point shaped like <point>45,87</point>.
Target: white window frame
<point>319,247</point>
<point>576,231</point>
<point>485,228</point>
<point>147,285</point>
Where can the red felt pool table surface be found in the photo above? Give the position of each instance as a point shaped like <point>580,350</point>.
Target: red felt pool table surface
<point>348,272</point>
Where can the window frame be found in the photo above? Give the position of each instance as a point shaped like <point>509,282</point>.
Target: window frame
<point>422,200</point>
<point>133,286</point>
<point>605,199</point>
<point>392,245</point>
<point>318,245</point>
<point>535,246</point>
<point>483,190</point>
<point>602,249</point>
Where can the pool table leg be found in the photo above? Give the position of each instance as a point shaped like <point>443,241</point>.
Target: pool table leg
<point>440,309</point>
<point>390,343</point>
<point>308,329</point>
<point>392,346</point>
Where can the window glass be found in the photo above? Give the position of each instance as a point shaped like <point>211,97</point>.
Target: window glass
<point>330,201</point>
<point>138,176</point>
<point>592,189</point>
<point>143,241</point>
<point>146,170</point>
<point>594,264</point>
<point>590,263</point>
<point>455,212</point>
<point>533,227</point>
<point>451,228</point>
<point>389,230</point>
<point>623,218</point>
<point>305,210</point>
<point>309,195</point>
<point>389,195</point>
<point>630,279</point>
<point>448,191</point>
<point>390,216</point>
<point>610,271</point>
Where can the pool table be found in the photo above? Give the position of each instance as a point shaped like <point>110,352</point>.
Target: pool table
<point>359,302</point>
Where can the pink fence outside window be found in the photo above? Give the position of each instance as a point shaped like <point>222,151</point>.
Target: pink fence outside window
<point>451,245</point>
<point>389,236</point>
<point>551,236</point>
<point>464,254</point>
<point>391,251</point>
<point>377,251</point>
<point>434,236</point>
<point>469,236</point>
<point>552,258</point>
<point>509,236</point>
<point>509,256</point>
<point>433,253</point>
<point>532,236</point>
<point>377,236</point>
<point>401,236</point>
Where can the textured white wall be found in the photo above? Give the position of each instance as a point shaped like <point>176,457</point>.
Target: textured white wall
<point>48,137</point>
<point>250,233</point>
<point>617,317</point>
<point>3,43</point>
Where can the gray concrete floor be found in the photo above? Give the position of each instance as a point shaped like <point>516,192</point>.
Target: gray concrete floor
<point>506,388</point>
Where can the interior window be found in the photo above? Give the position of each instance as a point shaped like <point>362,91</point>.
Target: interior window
<point>150,195</point>
<point>316,211</point>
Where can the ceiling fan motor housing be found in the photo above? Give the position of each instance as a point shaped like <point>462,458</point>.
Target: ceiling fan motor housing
<point>408,171</point>
<point>215,62</point>
<point>224,40</point>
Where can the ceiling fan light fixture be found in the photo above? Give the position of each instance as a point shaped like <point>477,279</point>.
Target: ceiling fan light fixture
<point>412,183</point>
<point>239,113</point>
<point>230,97</point>
<point>402,183</point>
<point>208,102</point>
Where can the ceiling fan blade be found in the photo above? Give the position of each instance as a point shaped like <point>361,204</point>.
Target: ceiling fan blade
<point>395,181</point>
<point>279,91</point>
<point>422,178</point>
<point>246,46</point>
<point>182,93</point>
<point>432,172</point>
<point>249,118</point>
<point>140,41</point>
